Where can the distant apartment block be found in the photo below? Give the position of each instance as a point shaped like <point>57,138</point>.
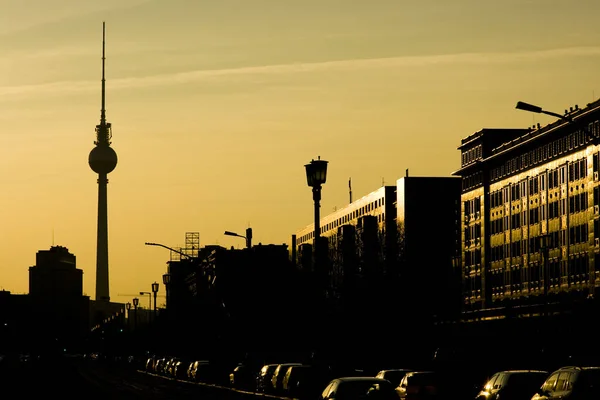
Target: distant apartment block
<point>529,213</point>
<point>403,238</point>
<point>361,238</point>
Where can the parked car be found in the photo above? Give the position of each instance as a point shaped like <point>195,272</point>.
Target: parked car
<point>359,387</point>
<point>302,381</point>
<point>263,379</point>
<point>417,385</point>
<point>198,371</point>
<point>513,385</point>
<point>393,375</point>
<point>180,369</point>
<point>571,383</point>
<point>241,377</point>
<point>278,374</point>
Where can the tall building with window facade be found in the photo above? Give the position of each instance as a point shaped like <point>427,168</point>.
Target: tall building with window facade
<point>529,213</point>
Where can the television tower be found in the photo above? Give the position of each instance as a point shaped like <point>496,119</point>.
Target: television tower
<point>102,160</point>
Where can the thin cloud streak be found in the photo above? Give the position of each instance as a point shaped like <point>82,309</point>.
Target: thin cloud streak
<point>66,87</point>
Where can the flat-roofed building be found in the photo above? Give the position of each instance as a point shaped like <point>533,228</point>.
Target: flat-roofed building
<point>529,213</point>
<point>397,244</point>
<point>361,240</point>
<point>429,238</point>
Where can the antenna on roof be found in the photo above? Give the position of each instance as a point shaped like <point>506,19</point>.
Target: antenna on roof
<point>350,188</point>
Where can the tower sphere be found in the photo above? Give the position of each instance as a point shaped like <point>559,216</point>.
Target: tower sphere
<point>102,159</point>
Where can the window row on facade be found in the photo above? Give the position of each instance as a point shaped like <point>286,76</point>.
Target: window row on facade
<point>515,279</point>
<point>540,154</point>
<point>367,209</point>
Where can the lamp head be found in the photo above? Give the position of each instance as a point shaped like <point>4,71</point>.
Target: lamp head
<point>528,107</point>
<point>155,287</point>
<point>136,302</point>
<point>316,172</point>
<point>167,278</point>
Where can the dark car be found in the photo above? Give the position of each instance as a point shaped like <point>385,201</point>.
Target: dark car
<point>302,381</point>
<point>419,385</point>
<point>278,375</point>
<point>241,377</point>
<point>513,385</point>
<point>358,388</point>
<point>571,383</point>
<point>393,375</point>
<point>263,380</point>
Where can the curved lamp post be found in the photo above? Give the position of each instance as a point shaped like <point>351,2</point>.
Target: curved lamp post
<point>168,248</point>
<point>248,236</point>
<point>521,105</point>
<point>167,276</point>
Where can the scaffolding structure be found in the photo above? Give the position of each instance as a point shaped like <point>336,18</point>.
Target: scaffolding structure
<point>190,249</point>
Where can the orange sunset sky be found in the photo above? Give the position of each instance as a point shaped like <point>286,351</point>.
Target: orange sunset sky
<point>217,105</point>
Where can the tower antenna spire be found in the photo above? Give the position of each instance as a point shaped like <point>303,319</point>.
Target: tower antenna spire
<point>103,111</point>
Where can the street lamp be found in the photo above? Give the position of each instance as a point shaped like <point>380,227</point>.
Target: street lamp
<point>248,236</point>
<point>168,248</point>
<point>155,287</point>
<point>536,109</point>
<point>128,307</point>
<point>167,281</point>
<point>136,303</point>
<point>316,175</point>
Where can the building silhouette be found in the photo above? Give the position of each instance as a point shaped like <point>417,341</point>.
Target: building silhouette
<point>55,274</point>
<point>390,253</point>
<point>224,300</point>
<point>55,315</point>
<point>429,243</point>
<point>529,216</point>
<point>59,308</point>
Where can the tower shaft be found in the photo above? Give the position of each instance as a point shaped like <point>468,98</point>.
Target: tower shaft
<point>102,160</point>
<point>102,289</point>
